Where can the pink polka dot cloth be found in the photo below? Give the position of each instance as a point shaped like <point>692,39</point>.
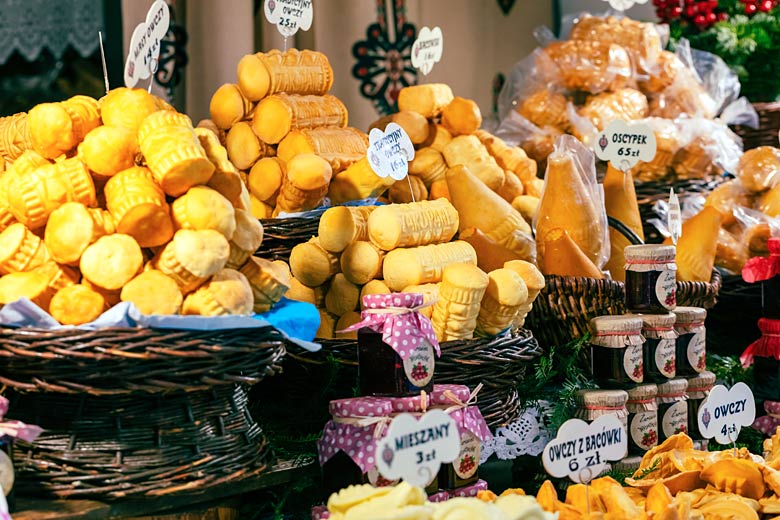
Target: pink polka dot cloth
<point>413,404</point>
<point>769,423</point>
<point>320,513</point>
<point>470,419</point>
<point>441,394</point>
<point>361,407</point>
<point>441,496</point>
<point>402,327</point>
<point>469,491</point>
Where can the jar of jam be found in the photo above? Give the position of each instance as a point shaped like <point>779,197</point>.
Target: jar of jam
<point>617,350</point>
<point>592,404</point>
<point>698,389</point>
<point>347,449</point>
<point>672,408</point>
<point>396,346</point>
<point>642,419</point>
<point>651,278</point>
<point>473,430</point>
<point>691,341</point>
<point>660,346</point>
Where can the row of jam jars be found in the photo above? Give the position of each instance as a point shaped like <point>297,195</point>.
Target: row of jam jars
<point>396,346</point>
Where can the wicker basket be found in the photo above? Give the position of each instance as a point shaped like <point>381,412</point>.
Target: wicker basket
<point>312,379</point>
<point>564,308</point>
<point>119,361</point>
<point>280,235</point>
<point>108,447</point>
<point>768,124</point>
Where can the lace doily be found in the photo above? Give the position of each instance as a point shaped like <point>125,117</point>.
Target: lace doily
<point>29,26</point>
<point>528,435</point>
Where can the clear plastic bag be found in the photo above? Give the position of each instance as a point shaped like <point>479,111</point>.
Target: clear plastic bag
<point>668,142</point>
<point>711,147</point>
<point>759,169</point>
<point>538,143</point>
<point>757,228</point>
<point>689,207</point>
<point>572,200</point>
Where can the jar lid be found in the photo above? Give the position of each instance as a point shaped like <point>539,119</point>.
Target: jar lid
<point>447,395</point>
<point>361,407</point>
<point>610,324</point>
<point>672,388</point>
<point>650,253</point>
<point>601,398</point>
<point>656,321</point>
<point>690,315</point>
<point>701,382</point>
<point>642,392</point>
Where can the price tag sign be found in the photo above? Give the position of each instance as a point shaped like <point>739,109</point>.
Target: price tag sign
<point>414,449</point>
<point>427,49</point>
<point>624,145</point>
<point>725,411</point>
<point>289,15</point>
<point>145,44</point>
<point>624,5</point>
<point>390,151</point>
<point>674,218</point>
<point>581,451</point>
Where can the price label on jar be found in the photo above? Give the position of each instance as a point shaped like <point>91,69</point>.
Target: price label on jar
<point>581,451</point>
<point>289,15</point>
<point>624,145</point>
<point>413,450</point>
<point>145,44</point>
<point>427,49</point>
<point>390,151</point>
<point>725,411</point>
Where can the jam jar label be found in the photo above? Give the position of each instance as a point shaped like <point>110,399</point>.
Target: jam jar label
<point>675,419</point>
<point>665,357</point>
<point>632,363</point>
<point>468,461</point>
<point>644,429</point>
<point>666,288</point>
<point>419,365</point>
<point>697,351</point>
<point>377,480</point>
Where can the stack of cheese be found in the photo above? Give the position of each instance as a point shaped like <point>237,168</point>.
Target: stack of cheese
<point>407,248</point>
<point>403,501</point>
<point>445,132</point>
<point>122,200</point>
<point>279,112</point>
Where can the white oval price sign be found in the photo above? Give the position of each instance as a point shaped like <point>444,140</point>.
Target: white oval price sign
<point>724,412</point>
<point>289,15</point>
<point>581,451</point>
<point>624,144</point>
<point>413,450</point>
<point>390,151</point>
<point>145,44</point>
<point>427,49</point>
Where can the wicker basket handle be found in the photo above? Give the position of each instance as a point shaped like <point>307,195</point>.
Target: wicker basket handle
<point>625,231</point>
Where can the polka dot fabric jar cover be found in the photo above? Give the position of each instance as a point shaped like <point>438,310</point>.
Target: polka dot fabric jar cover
<point>402,327</point>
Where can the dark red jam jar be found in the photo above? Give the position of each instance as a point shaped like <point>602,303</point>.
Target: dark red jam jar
<point>642,419</point>
<point>651,279</point>
<point>660,346</point>
<point>396,346</point>
<point>617,351</point>
<point>691,341</point>
<point>698,389</point>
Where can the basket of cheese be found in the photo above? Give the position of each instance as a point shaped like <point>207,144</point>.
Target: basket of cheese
<point>109,207</point>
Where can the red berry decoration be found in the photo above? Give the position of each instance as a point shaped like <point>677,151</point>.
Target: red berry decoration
<point>751,9</point>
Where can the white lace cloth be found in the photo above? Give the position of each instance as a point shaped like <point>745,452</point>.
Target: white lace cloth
<point>30,26</point>
<point>528,435</point>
